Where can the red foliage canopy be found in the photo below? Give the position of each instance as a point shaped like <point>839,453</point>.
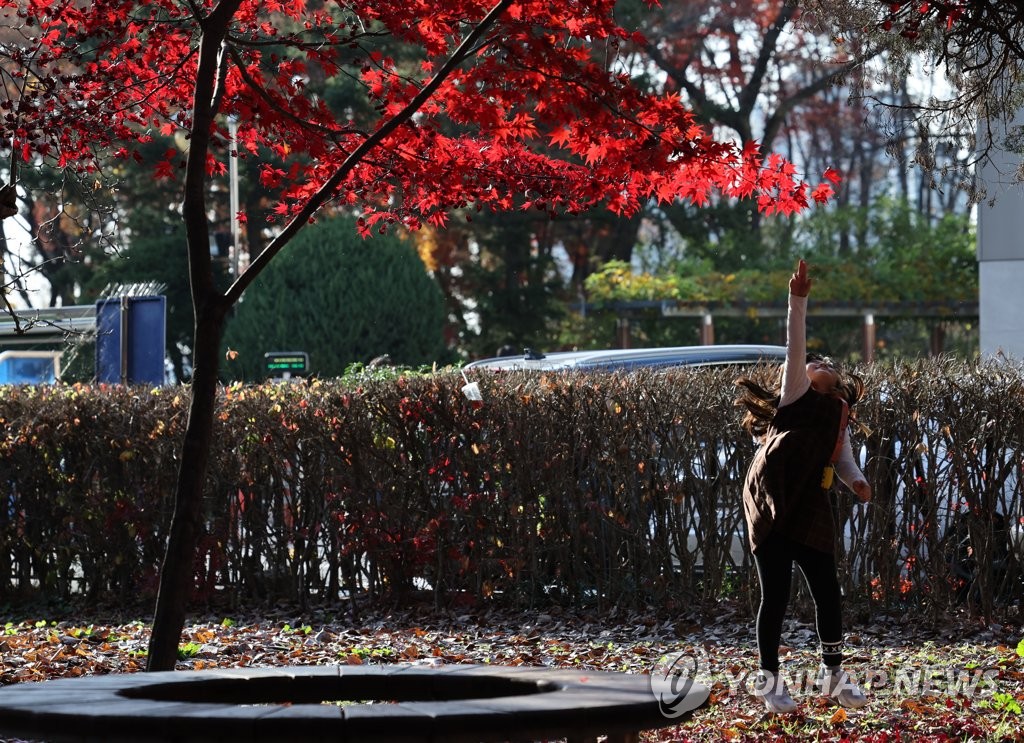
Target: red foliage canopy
<point>535,113</point>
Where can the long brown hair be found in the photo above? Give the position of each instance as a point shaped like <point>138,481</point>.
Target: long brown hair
<point>760,402</point>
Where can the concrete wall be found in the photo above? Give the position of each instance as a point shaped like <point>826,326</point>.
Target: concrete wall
<point>1001,284</point>
<point>1001,254</point>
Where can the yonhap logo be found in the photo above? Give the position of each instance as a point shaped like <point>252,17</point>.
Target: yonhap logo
<point>675,682</point>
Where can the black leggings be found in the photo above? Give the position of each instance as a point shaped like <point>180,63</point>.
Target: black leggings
<point>774,561</point>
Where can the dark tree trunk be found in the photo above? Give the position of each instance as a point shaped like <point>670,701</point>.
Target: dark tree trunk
<point>210,308</point>
<point>177,576</point>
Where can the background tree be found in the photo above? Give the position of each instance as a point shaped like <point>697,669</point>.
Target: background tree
<point>901,256</point>
<point>63,228</point>
<point>976,47</point>
<point>343,300</point>
<point>61,223</point>
<point>516,288</point>
<point>761,70</point>
<point>517,79</point>
<point>751,71</point>
<point>769,69</point>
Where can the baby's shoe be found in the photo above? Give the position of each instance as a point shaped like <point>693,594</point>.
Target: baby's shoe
<point>771,688</point>
<point>833,681</point>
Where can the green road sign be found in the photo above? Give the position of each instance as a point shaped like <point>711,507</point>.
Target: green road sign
<point>280,363</point>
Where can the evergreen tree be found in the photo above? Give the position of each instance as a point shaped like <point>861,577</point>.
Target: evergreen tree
<point>342,300</point>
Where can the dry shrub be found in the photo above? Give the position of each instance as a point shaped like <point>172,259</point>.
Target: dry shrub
<point>576,488</point>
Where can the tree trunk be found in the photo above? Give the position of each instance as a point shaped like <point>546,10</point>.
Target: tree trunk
<point>177,576</point>
<point>210,310</point>
<point>211,307</point>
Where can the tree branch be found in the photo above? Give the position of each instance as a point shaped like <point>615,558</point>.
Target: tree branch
<point>748,96</point>
<point>203,114</point>
<point>326,191</point>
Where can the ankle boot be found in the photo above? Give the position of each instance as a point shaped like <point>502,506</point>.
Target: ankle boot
<point>771,688</point>
<point>834,682</point>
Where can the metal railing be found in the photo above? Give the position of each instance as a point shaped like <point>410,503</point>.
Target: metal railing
<point>52,324</point>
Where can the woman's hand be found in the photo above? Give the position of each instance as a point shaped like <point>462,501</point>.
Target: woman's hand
<point>799,282</point>
<point>862,490</point>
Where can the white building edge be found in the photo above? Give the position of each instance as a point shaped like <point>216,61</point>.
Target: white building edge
<point>1001,251</point>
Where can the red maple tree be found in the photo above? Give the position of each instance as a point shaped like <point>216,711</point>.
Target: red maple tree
<point>515,105</point>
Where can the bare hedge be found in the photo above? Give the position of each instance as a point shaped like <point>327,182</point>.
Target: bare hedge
<point>562,488</point>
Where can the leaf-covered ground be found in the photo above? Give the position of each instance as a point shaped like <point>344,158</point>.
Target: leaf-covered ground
<point>963,681</point>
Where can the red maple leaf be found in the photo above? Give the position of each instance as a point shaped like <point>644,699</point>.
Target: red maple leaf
<point>822,193</point>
